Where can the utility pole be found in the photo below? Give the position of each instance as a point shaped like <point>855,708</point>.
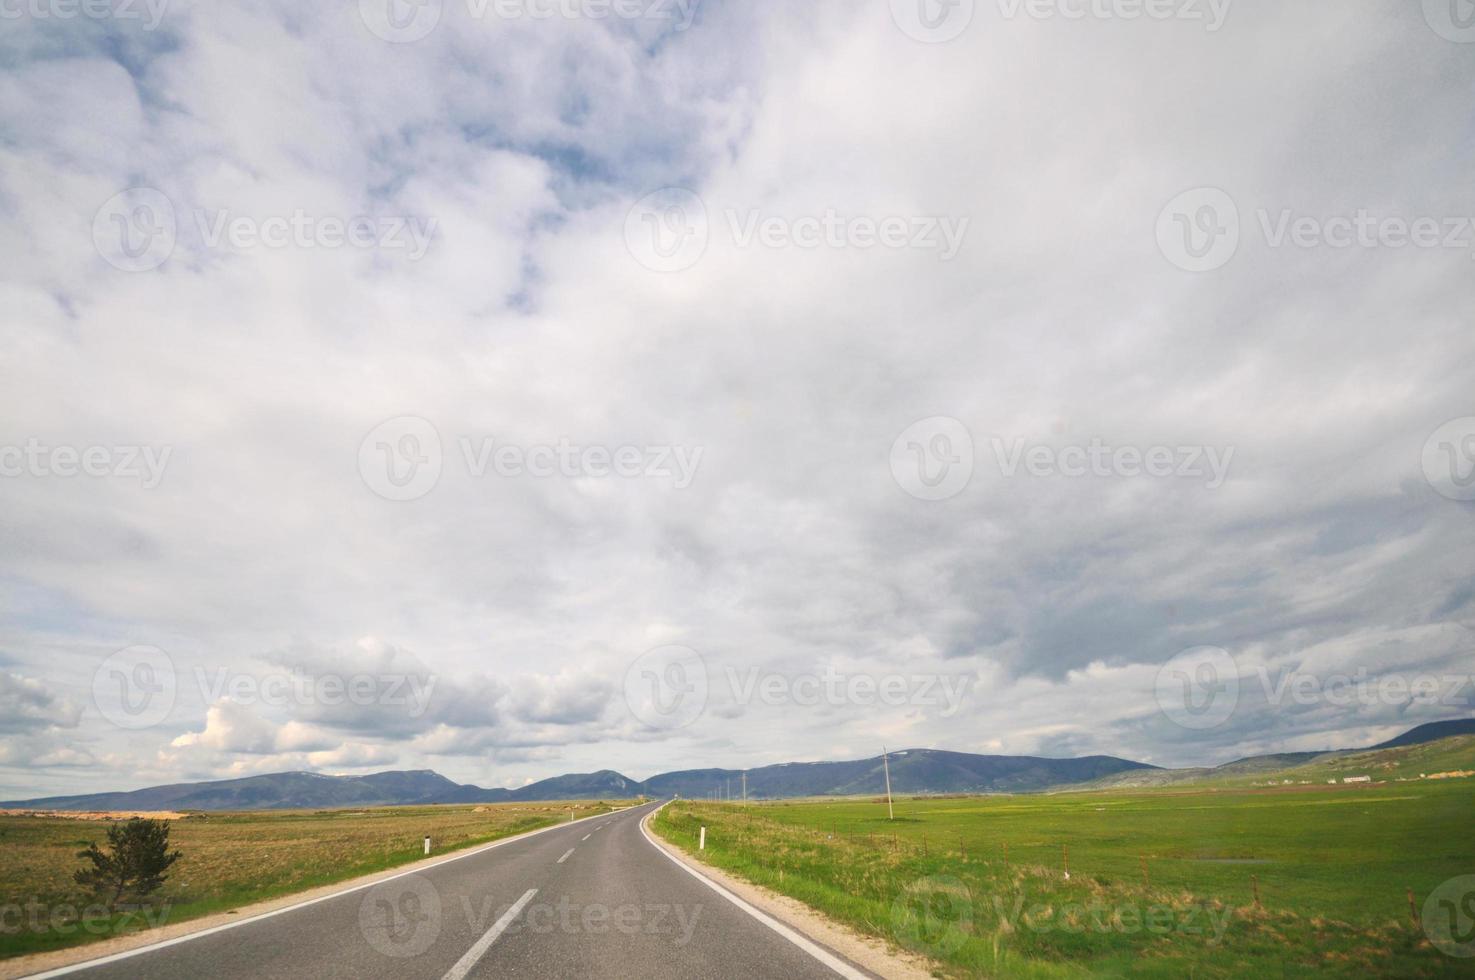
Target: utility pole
<point>745,785</point>
<point>886,768</point>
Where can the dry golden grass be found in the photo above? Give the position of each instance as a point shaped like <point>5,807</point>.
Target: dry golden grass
<point>233,859</point>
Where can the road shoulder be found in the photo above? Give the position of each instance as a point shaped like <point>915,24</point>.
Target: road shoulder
<point>867,952</point>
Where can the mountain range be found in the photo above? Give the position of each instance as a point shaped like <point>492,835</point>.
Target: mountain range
<point>913,771</point>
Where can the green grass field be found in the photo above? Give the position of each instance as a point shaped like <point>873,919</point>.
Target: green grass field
<point>233,859</point>
<point>1333,866</point>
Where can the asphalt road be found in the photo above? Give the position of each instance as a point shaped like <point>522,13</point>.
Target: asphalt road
<point>593,898</point>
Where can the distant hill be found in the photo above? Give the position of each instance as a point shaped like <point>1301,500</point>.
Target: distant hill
<point>1431,732</point>
<point>1437,747</point>
<point>280,790</point>
<point>915,771</point>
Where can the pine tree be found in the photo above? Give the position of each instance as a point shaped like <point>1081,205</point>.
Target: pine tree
<point>135,861</point>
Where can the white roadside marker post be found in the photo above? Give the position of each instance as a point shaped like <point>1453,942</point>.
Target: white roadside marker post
<point>427,844</point>
<point>886,767</point>
<point>702,844</point>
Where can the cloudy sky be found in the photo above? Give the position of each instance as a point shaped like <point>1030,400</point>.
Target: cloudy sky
<point>654,385</point>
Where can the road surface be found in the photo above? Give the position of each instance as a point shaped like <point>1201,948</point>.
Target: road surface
<point>593,898</point>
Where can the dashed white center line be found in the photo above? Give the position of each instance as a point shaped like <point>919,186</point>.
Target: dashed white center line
<point>588,835</point>
<point>565,855</point>
<point>464,964</point>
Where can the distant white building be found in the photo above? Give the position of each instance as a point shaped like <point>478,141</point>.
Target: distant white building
<point>1358,779</point>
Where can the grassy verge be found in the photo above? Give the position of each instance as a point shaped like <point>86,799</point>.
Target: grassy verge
<point>231,860</point>
<point>1162,884</point>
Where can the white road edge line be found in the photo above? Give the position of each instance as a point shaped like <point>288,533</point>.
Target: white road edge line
<point>62,971</point>
<point>479,949</point>
<point>803,942</point>
<point>565,855</point>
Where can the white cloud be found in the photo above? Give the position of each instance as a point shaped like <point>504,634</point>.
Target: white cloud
<point>527,321</point>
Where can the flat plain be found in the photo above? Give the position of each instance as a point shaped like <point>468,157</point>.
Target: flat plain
<point>1292,880</point>
<point>233,859</point>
